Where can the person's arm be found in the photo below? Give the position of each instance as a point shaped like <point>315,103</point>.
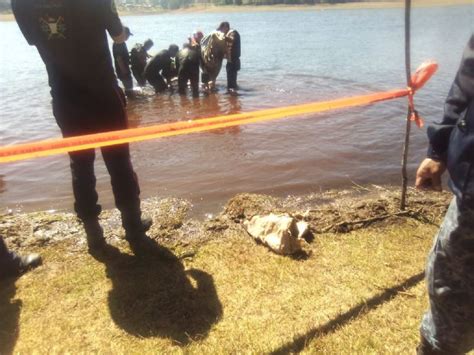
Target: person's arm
<point>112,22</point>
<point>23,16</point>
<point>462,90</point>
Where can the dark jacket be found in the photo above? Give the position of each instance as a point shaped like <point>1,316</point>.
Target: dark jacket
<point>188,58</point>
<point>452,140</point>
<point>160,63</point>
<point>71,39</point>
<point>138,57</point>
<point>234,46</point>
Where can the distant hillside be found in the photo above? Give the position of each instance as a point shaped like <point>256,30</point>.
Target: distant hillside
<point>176,4</point>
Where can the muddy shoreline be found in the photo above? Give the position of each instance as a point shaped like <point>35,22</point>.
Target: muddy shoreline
<point>334,211</point>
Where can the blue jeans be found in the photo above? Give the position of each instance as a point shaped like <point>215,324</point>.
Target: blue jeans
<point>448,326</point>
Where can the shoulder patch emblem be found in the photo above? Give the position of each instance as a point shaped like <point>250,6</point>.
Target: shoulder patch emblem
<point>53,27</point>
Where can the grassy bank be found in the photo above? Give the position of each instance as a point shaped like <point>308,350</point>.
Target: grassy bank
<point>357,289</point>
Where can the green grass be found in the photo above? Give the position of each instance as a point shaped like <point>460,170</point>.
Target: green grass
<point>351,295</point>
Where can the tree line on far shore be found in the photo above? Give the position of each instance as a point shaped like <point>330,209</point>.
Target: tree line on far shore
<point>176,4</point>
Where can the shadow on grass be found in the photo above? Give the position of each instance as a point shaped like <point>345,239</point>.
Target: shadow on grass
<point>9,316</point>
<point>155,296</point>
<point>300,342</point>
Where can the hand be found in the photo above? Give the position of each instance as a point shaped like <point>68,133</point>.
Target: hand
<point>428,175</point>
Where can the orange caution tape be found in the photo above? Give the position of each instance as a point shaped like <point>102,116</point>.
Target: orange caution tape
<point>72,144</point>
<point>421,76</point>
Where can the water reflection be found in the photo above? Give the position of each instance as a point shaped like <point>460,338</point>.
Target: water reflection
<point>304,57</point>
<point>148,109</point>
<point>3,184</point>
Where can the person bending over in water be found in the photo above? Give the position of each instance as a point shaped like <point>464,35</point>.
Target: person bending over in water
<point>159,71</point>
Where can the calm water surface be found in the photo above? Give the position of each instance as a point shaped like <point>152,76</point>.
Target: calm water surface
<point>287,58</point>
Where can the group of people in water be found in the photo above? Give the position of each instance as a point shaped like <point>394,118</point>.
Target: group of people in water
<point>199,53</point>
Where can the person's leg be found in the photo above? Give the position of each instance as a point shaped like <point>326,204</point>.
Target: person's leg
<point>157,81</point>
<point>86,198</point>
<point>231,76</point>
<point>182,81</point>
<point>448,326</point>
<point>138,73</point>
<point>127,82</point>
<point>123,178</point>
<point>83,184</point>
<point>194,78</point>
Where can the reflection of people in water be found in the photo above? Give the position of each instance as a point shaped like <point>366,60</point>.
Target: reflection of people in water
<point>223,105</point>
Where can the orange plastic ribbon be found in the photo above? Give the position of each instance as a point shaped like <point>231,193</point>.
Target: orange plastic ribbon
<point>421,76</point>
<point>72,144</point>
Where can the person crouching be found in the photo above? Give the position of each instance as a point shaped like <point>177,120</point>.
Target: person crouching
<point>159,70</point>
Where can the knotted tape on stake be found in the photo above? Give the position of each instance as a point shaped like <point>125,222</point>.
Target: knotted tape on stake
<point>90,141</point>
<point>421,76</point>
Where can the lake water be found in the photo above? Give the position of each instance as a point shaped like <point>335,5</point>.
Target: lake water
<point>288,58</point>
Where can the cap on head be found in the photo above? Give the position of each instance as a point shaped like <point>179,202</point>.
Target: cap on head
<point>127,31</point>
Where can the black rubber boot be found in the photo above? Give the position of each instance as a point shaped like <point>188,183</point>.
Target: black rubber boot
<point>19,264</point>
<point>95,235</point>
<point>135,232</point>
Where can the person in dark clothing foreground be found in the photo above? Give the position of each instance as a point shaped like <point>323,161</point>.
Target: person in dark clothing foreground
<point>13,265</point>
<point>87,99</point>
<point>122,63</point>
<point>138,59</point>
<point>448,326</point>
<point>159,70</point>
<point>232,55</point>
<point>187,63</point>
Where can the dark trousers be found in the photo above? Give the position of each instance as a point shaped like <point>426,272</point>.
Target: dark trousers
<point>157,81</point>
<point>85,112</point>
<point>127,81</point>
<point>188,72</point>
<point>232,69</point>
<point>138,73</point>
<point>8,260</point>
